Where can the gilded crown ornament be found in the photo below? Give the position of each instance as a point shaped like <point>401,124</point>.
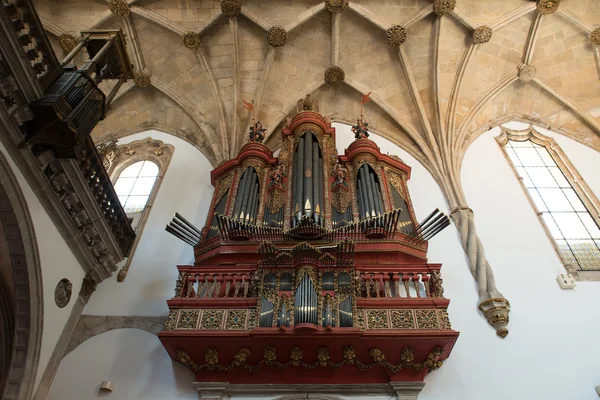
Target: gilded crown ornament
<point>277,36</point>
<point>231,8</point>
<point>443,7</point>
<point>334,75</point>
<point>595,37</point>
<point>142,78</point>
<point>67,42</point>
<point>336,6</point>
<point>191,40</point>
<point>396,35</point>
<point>119,7</point>
<point>527,72</point>
<point>482,34</point>
<point>547,6</point>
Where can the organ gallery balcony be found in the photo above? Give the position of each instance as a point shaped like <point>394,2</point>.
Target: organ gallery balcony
<point>312,269</point>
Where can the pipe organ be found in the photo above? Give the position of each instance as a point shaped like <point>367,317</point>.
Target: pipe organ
<point>310,261</point>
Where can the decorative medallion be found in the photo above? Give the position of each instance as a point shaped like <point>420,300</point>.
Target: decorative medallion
<point>595,37</point>
<point>427,319</point>
<point>526,72</point>
<point>142,78</point>
<point>396,35</point>
<point>341,200</point>
<point>212,319</point>
<point>119,7</point>
<point>62,293</point>
<point>191,40</point>
<point>308,173</point>
<point>443,7</point>
<point>336,6</point>
<point>67,42</point>
<point>236,319</point>
<point>188,319</point>
<point>547,6</point>
<point>334,75</point>
<point>377,319</point>
<point>276,36</point>
<point>402,319</point>
<point>231,8</point>
<point>482,34</point>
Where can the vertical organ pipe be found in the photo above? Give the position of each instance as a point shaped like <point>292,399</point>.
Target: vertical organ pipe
<point>368,196</point>
<point>374,192</point>
<point>364,206</point>
<point>246,194</point>
<point>307,198</point>
<point>316,173</point>
<point>294,188</point>
<point>238,204</point>
<point>380,197</point>
<point>322,181</point>
<point>298,179</point>
<point>252,203</point>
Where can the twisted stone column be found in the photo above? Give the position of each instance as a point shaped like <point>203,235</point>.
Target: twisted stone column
<point>491,302</point>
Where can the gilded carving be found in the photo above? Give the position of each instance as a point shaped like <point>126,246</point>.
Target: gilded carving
<point>191,40</point>
<point>443,7</point>
<point>67,42</point>
<point>377,319</point>
<point>427,319</point>
<point>336,6</point>
<point>236,319</point>
<point>107,152</point>
<point>396,35</point>
<point>547,6</point>
<point>407,355</point>
<point>212,319</point>
<point>118,7</point>
<point>307,104</point>
<point>397,183</point>
<point>277,36</point>
<point>402,319</point>
<point>171,322</point>
<point>334,75</point>
<point>496,312</point>
<point>526,72</point>
<point>252,319</point>
<point>595,37</point>
<point>438,284</point>
<point>276,200</point>
<point>188,319</point>
<point>224,185</point>
<point>231,8</point>
<point>444,320</point>
<point>142,78</point>
<point>482,34</point>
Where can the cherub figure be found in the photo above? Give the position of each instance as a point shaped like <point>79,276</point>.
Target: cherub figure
<point>277,174</point>
<point>340,174</point>
<point>257,132</point>
<point>288,121</point>
<point>361,129</point>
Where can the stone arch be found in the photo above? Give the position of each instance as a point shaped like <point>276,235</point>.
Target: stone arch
<point>17,226</point>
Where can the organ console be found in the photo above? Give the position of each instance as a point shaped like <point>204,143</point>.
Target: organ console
<point>310,261</point>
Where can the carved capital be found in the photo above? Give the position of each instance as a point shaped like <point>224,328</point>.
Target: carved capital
<point>277,36</point>
<point>67,42</point>
<point>595,37</point>
<point>443,7</point>
<point>526,72</point>
<point>482,34</point>
<point>191,40</point>
<point>496,308</point>
<point>547,6</point>
<point>334,75</point>
<point>119,7</point>
<point>336,6</point>
<point>396,35</point>
<point>88,286</point>
<point>142,78</point>
<point>231,8</point>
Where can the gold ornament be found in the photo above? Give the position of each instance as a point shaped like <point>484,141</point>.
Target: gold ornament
<point>142,78</point>
<point>496,312</point>
<point>334,75</point>
<point>443,7</point>
<point>67,42</point>
<point>526,72</point>
<point>341,200</point>
<point>396,35</point>
<point>277,36</point>
<point>336,6</point>
<point>119,7</point>
<point>595,37</point>
<point>191,40</point>
<point>231,8</point>
<point>482,34</point>
<point>546,7</point>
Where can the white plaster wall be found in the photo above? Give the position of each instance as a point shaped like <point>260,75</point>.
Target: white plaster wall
<point>134,360</point>
<point>151,279</point>
<point>57,262</point>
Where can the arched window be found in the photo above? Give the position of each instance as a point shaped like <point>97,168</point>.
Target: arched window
<point>560,196</point>
<point>135,184</point>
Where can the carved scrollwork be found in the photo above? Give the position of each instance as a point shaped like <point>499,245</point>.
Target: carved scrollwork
<point>340,200</point>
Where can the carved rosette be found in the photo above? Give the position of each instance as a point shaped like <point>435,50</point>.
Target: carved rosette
<point>119,7</point>
<point>495,310</point>
<point>336,6</point>
<point>231,8</point>
<point>482,34</point>
<point>527,72</point>
<point>334,75</point>
<point>142,78</point>
<point>396,35</point>
<point>443,7</point>
<point>277,36</point>
<point>595,37</point>
<point>67,42</point>
<point>547,6</point>
<point>191,40</point>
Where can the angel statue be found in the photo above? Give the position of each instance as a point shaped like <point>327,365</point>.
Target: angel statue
<point>340,173</point>
<point>277,174</point>
<point>257,132</point>
<point>361,129</point>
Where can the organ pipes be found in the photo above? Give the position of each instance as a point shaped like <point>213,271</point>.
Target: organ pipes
<point>307,181</point>
<point>184,230</point>
<point>247,199</point>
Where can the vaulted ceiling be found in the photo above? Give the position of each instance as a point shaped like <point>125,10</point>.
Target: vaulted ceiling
<point>436,80</point>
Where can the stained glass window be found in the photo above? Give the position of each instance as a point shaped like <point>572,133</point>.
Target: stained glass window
<point>569,222</point>
<point>135,184</point>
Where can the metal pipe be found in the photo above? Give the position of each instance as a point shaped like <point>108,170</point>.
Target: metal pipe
<point>423,222</point>
<point>114,91</point>
<point>422,228</point>
<point>188,223</point>
<point>74,52</point>
<point>298,179</point>
<point>254,208</point>
<point>184,228</point>
<point>179,236</point>
<point>183,233</point>
<point>316,174</point>
<point>374,191</point>
<point>322,181</point>
<point>369,193</point>
<point>362,195</point>
<point>252,196</point>
<point>381,204</point>
<point>307,199</point>
<point>246,193</point>
<point>238,199</point>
